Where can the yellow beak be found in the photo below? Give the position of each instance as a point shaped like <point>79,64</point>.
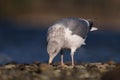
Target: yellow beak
<point>50,60</point>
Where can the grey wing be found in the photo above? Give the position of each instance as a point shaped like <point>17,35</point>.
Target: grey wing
<point>79,27</point>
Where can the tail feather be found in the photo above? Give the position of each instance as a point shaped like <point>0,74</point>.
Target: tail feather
<point>93,29</point>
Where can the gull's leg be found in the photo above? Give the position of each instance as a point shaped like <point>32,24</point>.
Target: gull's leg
<point>72,56</point>
<point>62,63</point>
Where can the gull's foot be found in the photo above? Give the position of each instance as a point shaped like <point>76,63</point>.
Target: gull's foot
<point>62,66</point>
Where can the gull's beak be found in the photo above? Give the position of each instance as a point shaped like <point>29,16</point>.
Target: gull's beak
<point>50,60</point>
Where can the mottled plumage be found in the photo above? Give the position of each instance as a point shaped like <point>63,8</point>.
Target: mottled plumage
<point>68,33</point>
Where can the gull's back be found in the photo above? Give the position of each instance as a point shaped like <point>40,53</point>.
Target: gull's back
<point>78,26</point>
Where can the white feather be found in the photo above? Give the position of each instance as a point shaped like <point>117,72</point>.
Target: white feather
<point>73,41</point>
<point>94,29</point>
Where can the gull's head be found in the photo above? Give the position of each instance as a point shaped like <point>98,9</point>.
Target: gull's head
<point>53,49</point>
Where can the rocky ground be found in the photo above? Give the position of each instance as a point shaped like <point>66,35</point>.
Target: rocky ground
<point>40,71</point>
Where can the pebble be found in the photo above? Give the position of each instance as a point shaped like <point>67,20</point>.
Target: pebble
<point>42,71</point>
<point>10,66</point>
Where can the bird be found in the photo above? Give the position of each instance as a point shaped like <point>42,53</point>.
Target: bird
<point>67,33</point>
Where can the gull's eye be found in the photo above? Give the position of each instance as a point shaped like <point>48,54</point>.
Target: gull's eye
<point>55,51</point>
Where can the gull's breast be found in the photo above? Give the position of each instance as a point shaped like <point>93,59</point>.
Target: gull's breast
<point>72,40</point>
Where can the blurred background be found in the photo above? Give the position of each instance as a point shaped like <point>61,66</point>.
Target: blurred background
<point>24,24</point>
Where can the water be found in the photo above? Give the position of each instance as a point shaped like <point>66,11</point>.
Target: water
<point>27,45</point>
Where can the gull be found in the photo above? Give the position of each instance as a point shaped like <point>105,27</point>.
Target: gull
<point>67,33</point>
